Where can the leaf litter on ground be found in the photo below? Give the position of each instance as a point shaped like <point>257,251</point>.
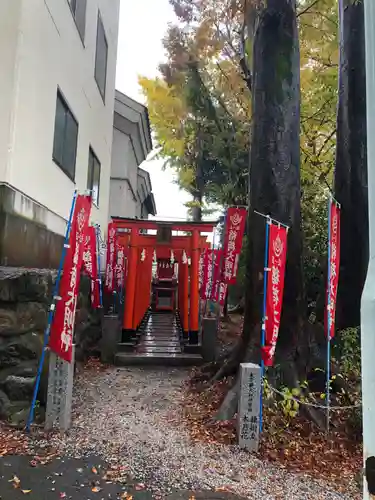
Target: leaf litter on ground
<point>198,412</point>
<point>299,446</point>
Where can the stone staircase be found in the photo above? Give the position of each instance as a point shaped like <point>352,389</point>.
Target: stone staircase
<point>159,343</point>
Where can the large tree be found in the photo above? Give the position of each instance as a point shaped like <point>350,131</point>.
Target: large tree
<point>222,53</point>
<point>275,168</point>
<point>215,61</point>
<point>274,179</point>
<point>350,181</point>
<point>201,128</point>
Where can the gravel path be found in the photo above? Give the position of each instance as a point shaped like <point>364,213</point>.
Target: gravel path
<point>133,417</point>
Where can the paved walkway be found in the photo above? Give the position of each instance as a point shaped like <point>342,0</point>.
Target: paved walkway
<point>74,479</point>
<point>133,420</point>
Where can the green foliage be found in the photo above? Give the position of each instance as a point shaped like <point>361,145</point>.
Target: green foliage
<point>289,401</point>
<point>167,114</point>
<point>314,227</point>
<point>347,351</point>
<point>318,25</point>
<point>200,108</point>
<point>319,83</point>
<point>200,111</point>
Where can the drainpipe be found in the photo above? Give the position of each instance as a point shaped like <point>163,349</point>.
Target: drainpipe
<point>368,296</point>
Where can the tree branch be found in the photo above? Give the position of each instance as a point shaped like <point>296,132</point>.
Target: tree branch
<point>235,93</point>
<point>306,9</point>
<point>305,119</point>
<point>243,62</point>
<point>327,64</point>
<point>246,73</point>
<point>326,141</point>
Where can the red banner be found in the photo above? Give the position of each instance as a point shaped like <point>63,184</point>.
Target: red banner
<point>201,270</point>
<point>212,260</point>
<point>208,272</point>
<point>234,230</point>
<point>217,274</point>
<point>275,289</point>
<point>62,328</point>
<point>120,267</point>
<point>111,259</point>
<point>90,262</point>
<point>222,292</point>
<point>334,266</point>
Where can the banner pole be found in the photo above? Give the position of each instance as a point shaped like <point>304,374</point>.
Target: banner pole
<point>220,275</point>
<point>328,367</point>
<point>98,264</point>
<point>222,262</point>
<point>265,272</point>
<point>210,304</point>
<point>277,222</point>
<point>50,315</point>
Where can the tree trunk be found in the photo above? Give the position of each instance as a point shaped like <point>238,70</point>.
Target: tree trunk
<point>351,163</point>
<point>275,171</point>
<point>199,180</point>
<point>275,176</point>
<point>196,210</point>
<point>225,307</point>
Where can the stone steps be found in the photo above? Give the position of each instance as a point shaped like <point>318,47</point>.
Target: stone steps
<point>159,344</point>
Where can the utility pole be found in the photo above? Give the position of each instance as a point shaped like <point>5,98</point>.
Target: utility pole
<point>368,296</point>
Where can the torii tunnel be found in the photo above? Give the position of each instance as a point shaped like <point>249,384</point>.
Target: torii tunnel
<point>175,260</point>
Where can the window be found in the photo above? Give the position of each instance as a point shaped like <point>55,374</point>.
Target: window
<point>93,177</point>
<point>65,138</point>
<point>101,57</point>
<point>78,8</point>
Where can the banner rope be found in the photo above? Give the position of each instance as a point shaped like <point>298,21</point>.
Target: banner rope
<point>275,221</point>
<point>314,405</point>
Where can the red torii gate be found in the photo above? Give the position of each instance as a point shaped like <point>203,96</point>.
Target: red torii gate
<point>140,248</point>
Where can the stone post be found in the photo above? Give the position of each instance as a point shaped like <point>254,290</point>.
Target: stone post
<point>60,393</point>
<point>209,339</point>
<point>249,407</point>
<point>111,336</point>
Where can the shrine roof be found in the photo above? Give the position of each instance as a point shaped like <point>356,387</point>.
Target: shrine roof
<point>186,225</point>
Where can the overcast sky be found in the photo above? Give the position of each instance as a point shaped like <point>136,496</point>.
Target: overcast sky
<point>143,24</point>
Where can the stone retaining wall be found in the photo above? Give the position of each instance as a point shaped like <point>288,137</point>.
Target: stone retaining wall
<point>25,296</point>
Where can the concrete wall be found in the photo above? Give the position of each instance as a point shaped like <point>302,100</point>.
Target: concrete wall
<point>123,191</point>
<point>50,55</point>
<point>10,15</point>
<point>24,237</point>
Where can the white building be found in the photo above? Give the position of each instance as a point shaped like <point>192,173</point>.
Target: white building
<point>57,89</point>
<point>131,190</point>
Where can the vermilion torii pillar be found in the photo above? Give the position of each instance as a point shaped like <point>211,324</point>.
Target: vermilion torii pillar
<point>183,295</point>
<point>185,290</point>
<point>180,291</point>
<point>135,242</point>
<point>194,289</point>
<point>130,286</point>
